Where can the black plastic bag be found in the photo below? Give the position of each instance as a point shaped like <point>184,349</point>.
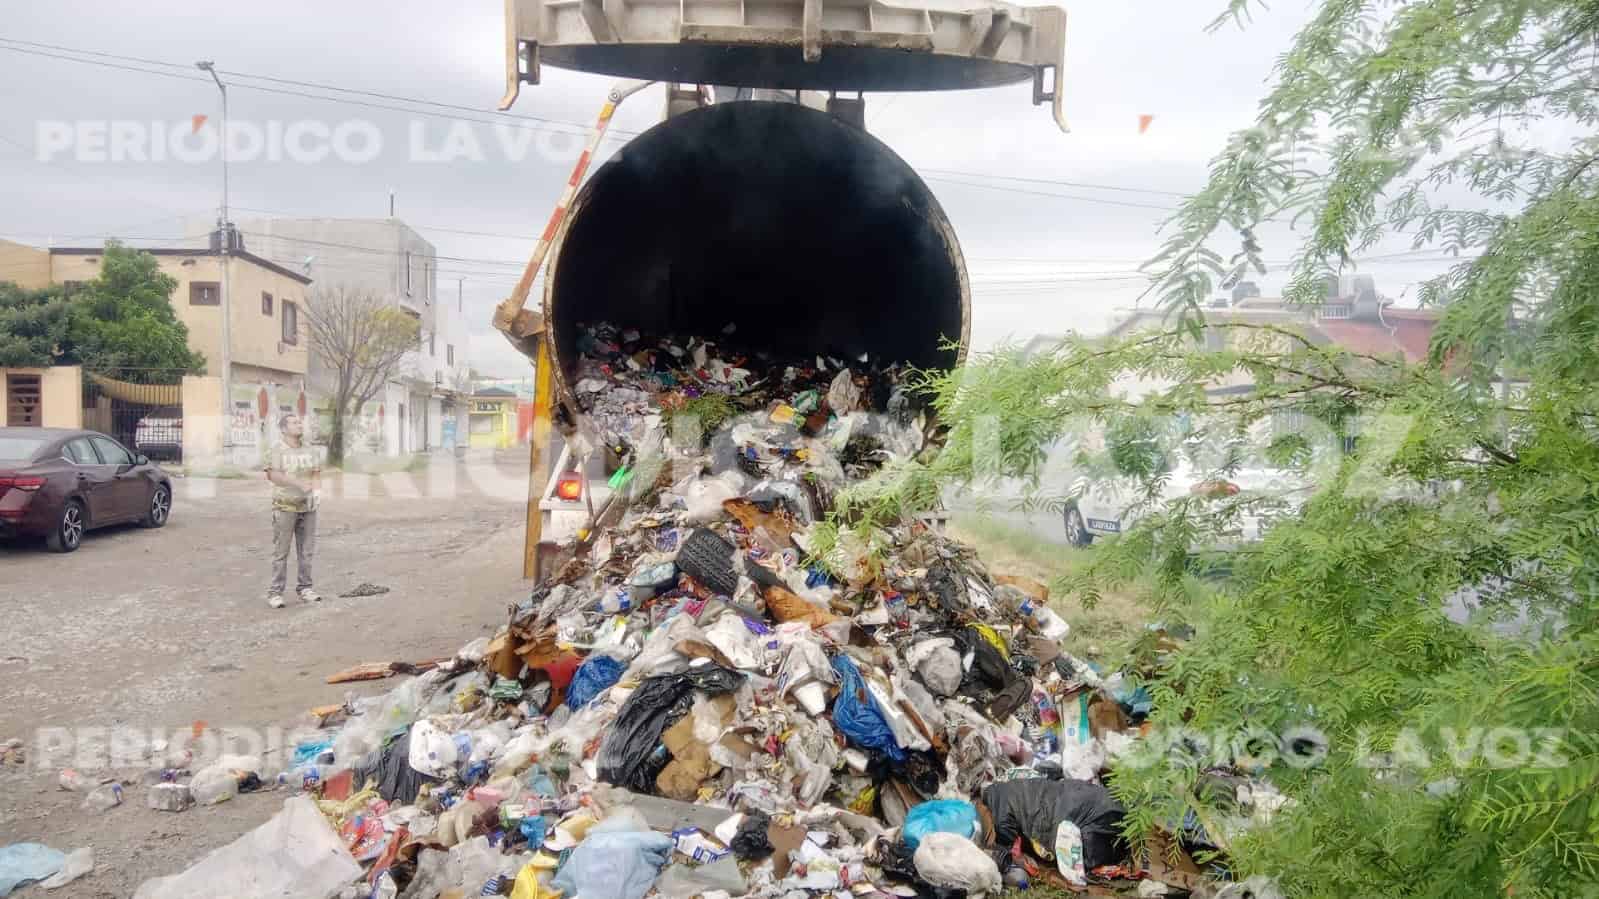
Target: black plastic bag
<point>629,755</point>
<point>899,861</point>
<point>390,768</point>
<point>752,843</point>
<point>1034,809</point>
<point>949,591</point>
<point>991,680</point>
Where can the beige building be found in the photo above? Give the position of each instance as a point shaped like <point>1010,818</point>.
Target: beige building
<point>267,304</point>
<point>23,265</point>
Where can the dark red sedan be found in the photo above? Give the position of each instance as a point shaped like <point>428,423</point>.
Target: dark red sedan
<point>57,483</point>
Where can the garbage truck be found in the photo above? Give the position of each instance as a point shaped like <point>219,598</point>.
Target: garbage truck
<point>781,218</point>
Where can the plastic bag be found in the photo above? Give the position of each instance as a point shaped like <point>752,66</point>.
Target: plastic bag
<point>615,865</point>
<point>682,882</point>
<point>79,862</point>
<point>955,816</point>
<point>1069,853</point>
<point>938,664</point>
<point>954,862</point>
<point>857,717</point>
<point>750,841</point>
<point>432,751</point>
<point>213,784</point>
<point>295,853</point>
<point>741,647</point>
<point>471,864</point>
<point>628,757</point>
<point>22,863</point>
<point>596,675</point>
<point>1035,808</point>
<point>806,674</point>
<point>704,496</point>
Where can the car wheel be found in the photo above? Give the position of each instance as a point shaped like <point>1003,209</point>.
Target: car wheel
<point>160,509</point>
<point>1076,531</point>
<point>68,533</point>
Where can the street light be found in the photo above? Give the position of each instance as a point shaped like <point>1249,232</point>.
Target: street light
<point>226,227</point>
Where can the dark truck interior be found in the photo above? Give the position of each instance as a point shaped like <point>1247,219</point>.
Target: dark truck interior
<point>806,233</point>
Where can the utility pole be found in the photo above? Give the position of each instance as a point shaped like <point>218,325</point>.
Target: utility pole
<point>225,225</point>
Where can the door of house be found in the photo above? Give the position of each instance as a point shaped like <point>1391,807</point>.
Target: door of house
<point>24,401</point>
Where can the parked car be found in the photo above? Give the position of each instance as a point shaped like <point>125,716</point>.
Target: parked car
<point>159,435</point>
<point>58,483</point>
<point>1108,506</point>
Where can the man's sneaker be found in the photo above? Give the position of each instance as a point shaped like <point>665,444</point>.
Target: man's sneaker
<point>310,596</point>
<point>275,600</point>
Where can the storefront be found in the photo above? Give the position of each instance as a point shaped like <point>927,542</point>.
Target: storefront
<point>492,420</point>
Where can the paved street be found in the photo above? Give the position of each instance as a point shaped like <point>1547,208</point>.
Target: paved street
<point>155,630</point>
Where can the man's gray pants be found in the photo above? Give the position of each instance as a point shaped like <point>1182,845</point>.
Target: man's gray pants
<point>300,527</point>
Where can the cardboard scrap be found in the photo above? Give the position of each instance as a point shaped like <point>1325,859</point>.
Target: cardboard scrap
<point>1036,591</point>
<point>381,670</point>
<point>368,671</point>
<point>786,606</point>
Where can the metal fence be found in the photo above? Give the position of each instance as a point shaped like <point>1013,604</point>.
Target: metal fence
<point>141,408</point>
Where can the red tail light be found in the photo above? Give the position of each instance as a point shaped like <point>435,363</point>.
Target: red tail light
<point>569,487</point>
<point>29,483</point>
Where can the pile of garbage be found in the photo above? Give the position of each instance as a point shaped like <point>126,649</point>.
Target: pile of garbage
<point>720,693</point>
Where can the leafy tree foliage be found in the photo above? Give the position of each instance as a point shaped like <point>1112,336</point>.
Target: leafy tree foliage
<point>124,319</point>
<point>33,325</point>
<point>1431,612</point>
<point>119,321</point>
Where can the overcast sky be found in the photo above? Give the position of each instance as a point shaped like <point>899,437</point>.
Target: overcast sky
<point>1067,258</point>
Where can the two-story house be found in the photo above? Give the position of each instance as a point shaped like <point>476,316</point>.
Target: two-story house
<point>423,406</point>
<point>267,343</point>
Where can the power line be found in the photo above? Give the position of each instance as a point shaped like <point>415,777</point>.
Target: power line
<point>505,118</point>
<point>580,129</point>
<point>1136,190</point>
<point>310,84</point>
<point>1040,193</point>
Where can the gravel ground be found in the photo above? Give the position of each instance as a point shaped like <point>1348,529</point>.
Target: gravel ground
<point>149,632</point>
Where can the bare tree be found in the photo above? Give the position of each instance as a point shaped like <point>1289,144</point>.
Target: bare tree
<point>361,340</point>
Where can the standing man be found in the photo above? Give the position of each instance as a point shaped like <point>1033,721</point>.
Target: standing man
<point>295,471</point>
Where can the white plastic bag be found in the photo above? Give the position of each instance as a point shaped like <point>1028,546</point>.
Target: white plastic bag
<point>296,853</point>
<point>1069,853</point>
<point>736,642</point>
<point>433,751</point>
<point>213,784</point>
<point>952,861</point>
<point>703,497</point>
<point>79,863</point>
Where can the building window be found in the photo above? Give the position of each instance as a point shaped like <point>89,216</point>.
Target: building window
<point>205,293</point>
<point>291,323</point>
<point>266,303</point>
<point>408,273</point>
<point>68,288</point>
<point>1334,311</point>
<point>449,353</point>
<point>431,350</point>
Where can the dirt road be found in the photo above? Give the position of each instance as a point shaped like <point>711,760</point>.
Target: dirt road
<point>150,631</point>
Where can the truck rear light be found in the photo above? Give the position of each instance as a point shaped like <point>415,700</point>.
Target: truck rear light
<point>569,487</point>
<point>29,483</point>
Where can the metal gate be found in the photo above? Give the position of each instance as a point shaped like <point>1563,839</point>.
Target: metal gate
<point>141,408</point>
